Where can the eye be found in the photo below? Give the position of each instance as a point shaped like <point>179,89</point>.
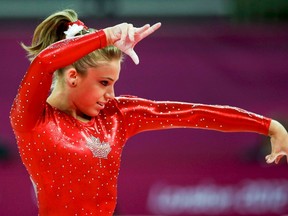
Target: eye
<point>104,83</point>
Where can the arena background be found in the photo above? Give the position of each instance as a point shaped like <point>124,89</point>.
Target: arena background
<point>207,51</point>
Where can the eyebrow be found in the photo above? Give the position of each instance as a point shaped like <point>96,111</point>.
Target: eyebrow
<point>108,78</point>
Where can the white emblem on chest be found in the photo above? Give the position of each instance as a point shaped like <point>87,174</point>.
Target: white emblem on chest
<point>98,148</point>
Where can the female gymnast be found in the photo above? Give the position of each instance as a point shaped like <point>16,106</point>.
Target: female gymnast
<point>71,136</point>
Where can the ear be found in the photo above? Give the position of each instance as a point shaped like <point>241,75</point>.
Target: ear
<point>71,77</point>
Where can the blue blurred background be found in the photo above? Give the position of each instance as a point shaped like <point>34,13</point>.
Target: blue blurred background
<point>229,52</point>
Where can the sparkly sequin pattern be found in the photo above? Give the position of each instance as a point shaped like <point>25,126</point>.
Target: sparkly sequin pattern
<point>100,150</point>
<point>75,165</point>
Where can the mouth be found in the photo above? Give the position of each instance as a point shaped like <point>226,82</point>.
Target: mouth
<point>102,105</point>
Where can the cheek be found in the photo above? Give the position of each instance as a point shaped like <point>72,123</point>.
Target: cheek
<point>89,95</point>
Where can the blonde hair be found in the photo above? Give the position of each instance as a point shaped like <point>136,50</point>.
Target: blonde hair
<point>52,30</point>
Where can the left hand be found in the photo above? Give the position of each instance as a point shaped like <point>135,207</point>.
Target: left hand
<point>279,143</point>
<point>125,36</point>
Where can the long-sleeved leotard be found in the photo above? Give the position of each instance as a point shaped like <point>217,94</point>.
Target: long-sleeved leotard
<point>75,165</point>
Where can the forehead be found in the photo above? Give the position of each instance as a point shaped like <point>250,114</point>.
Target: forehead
<point>109,69</point>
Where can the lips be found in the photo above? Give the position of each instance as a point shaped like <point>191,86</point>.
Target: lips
<point>102,105</point>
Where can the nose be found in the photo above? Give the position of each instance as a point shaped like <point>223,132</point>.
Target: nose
<point>109,94</point>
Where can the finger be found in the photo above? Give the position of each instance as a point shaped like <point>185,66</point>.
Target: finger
<point>269,159</point>
<point>131,32</point>
<point>133,56</point>
<point>142,29</point>
<point>150,30</point>
<point>124,32</point>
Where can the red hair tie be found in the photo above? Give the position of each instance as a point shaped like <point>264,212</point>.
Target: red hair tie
<point>79,23</point>
<point>75,28</point>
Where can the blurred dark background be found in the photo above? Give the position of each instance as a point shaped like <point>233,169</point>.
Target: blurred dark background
<point>229,52</point>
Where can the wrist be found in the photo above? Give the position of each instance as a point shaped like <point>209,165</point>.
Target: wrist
<point>276,128</point>
<point>107,32</point>
<point>102,37</point>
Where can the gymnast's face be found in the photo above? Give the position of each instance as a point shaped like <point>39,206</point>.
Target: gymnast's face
<point>92,91</point>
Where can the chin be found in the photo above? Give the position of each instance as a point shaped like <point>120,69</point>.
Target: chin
<point>94,113</point>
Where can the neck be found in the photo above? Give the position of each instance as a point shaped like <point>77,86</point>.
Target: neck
<point>59,100</point>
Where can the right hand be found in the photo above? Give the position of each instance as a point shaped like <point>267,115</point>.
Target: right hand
<point>125,36</point>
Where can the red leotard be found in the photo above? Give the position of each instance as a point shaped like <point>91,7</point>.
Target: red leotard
<point>75,165</point>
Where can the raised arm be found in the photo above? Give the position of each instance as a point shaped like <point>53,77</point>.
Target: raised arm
<point>34,88</point>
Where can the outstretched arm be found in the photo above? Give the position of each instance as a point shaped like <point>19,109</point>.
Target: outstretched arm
<point>142,115</point>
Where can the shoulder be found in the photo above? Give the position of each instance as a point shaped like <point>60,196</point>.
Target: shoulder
<point>131,100</point>
<point>122,101</point>
<point>125,98</point>
<point>130,103</point>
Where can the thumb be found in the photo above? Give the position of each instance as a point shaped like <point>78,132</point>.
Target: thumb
<point>270,158</point>
<point>133,56</point>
